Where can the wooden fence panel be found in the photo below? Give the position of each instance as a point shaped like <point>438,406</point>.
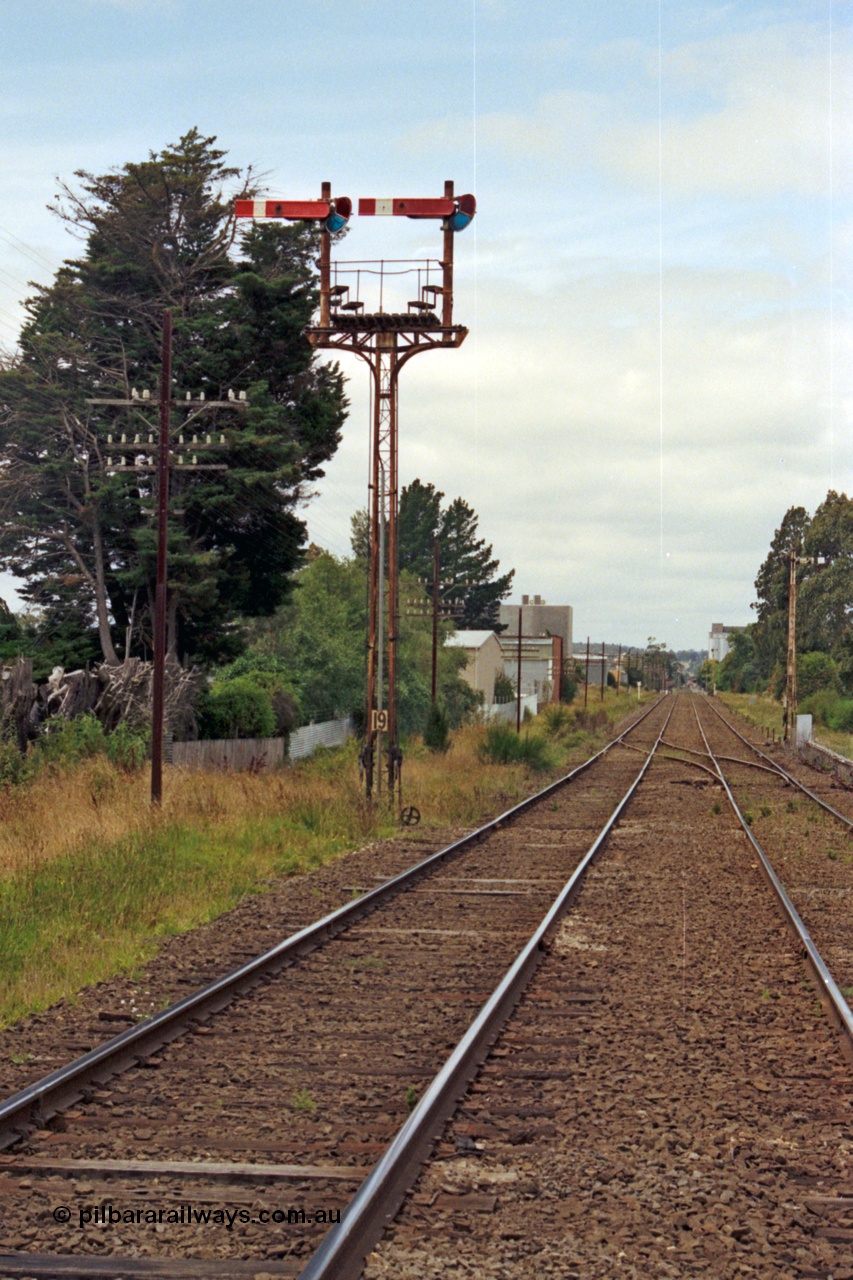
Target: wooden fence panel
<point>238,754</point>
<point>241,754</point>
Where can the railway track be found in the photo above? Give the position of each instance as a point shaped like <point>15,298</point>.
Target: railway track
<point>289,1102</point>
<point>804,822</point>
<point>668,1099</point>
<point>317,1053</point>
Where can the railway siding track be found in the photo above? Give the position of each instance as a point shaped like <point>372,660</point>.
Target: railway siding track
<point>668,1098</point>
<point>310,1075</point>
<point>805,827</point>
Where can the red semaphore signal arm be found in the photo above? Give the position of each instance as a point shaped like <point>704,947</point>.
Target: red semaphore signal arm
<point>334,213</point>
<point>295,209</point>
<point>440,208</point>
<point>456,212</point>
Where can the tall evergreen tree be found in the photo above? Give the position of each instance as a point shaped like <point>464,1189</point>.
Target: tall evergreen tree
<point>470,570</point>
<point>471,584</point>
<point>161,234</point>
<point>825,590</point>
<point>771,585</point>
<point>826,595</point>
<point>420,523</point>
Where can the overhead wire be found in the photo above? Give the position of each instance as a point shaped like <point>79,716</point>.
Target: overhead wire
<point>231,506</point>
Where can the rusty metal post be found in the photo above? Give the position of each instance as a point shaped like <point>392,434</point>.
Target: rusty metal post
<point>601,699</point>
<point>586,674</point>
<point>325,263</point>
<point>393,574</point>
<point>557,668</point>
<point>790,703</point>
<point>447,270</point>
<point>159,682</point>
<point>619,671</point>
<point>435,571</point>
<point>518,675</point>
<point>381,713</point>
<point>373,620</point>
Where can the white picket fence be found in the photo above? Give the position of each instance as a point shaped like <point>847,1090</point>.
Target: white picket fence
<point>509,710</point>
<point>329,733</point>
<point>240,754</point>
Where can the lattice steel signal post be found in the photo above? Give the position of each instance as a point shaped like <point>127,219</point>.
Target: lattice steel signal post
<point>385,340</point>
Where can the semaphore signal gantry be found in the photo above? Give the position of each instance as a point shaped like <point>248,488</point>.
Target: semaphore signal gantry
<point>385,340</point>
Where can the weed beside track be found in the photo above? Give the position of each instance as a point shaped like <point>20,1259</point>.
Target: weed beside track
<point>92,879</point>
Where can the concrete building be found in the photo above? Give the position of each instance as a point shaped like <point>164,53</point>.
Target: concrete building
<point>611,668</point>
<point>540,659</point>
<point>538,619</point>
<point>485,660</point>
<point>719,642</point>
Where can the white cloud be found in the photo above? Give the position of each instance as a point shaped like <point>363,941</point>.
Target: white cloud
<point>749,115</point>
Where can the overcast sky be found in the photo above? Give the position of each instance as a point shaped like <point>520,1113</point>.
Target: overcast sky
<point>657,282</point>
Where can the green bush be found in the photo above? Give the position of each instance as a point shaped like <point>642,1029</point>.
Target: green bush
<point>829,709</point>
<point>237,708</point>
<point>13,765</point>
<point>271,673</point>
<point>841,715</point>
<point>128,748</point>
<point>568,689</point>
<point>816,671</point>
<point>504,688</point>
<point>437,730</point>
<point>557,718</point>
<point>502,745</point>
<point>460,701</point>
<point>69,741</point>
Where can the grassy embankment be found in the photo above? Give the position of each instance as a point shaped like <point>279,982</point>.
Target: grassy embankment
<point>91,878</point>
<point>760,710</point>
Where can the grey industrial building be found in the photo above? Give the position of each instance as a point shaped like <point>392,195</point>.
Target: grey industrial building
<point>538,619</point>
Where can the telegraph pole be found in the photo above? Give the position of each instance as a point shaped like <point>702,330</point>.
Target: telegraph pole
<point>143,463</point>
<point>435,586</point>
<point>557,667</point>
<point>518,678</point>
<point>789,702</point>
<point>452,608</point>
<point>159,682</point>
<point>586,675</point>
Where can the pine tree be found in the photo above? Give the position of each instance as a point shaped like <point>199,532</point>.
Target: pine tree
<point>161,234</point>
<point>468,571</point>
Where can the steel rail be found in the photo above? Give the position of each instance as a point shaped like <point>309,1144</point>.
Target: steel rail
<point>778,768</point>
<point>341,1254</point>
<point>828,989</point>
<point>749,764</point>
<point>34,1105</point>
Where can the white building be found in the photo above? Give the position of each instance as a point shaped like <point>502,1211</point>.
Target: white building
<point>719,642</point>
<point>485,660</point>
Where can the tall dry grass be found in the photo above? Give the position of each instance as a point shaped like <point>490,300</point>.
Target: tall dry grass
<point>65,810</point>
<point>91,876</point>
